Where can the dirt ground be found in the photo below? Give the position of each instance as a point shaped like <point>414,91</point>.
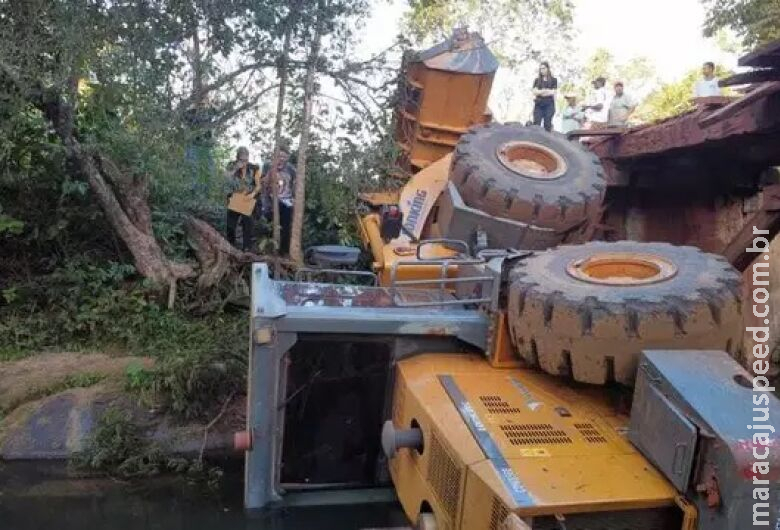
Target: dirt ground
<point>33,377</point>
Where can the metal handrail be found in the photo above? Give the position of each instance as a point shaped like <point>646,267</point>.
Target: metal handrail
<point>444,243</point>
<point>443,280</point>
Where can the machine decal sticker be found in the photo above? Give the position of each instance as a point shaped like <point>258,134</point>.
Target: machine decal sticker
<point>530,402</point>
<point>415,210</point>
<point>520,494</point>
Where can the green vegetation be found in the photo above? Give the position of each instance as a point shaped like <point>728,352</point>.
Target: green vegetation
<point>111,142</point>
<point>118,448</point>
<point>757,22</point>
<point>672,99</point>
<point>199,359</point>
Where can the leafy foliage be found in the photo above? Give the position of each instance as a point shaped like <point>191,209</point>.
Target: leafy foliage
<point>132,72</point>
<point>638,73</point>
<point>199,361</point>
<point>673,98</point>
<point>118,447</point>
<point>756,21</point>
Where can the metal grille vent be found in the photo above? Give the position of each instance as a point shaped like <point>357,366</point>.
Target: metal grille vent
<point>444,477</point>
<point>534,434</point>
<point>496,405</point>
<point>497,514</point>
<point>590,433</point>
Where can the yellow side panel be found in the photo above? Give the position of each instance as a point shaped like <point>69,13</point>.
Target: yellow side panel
<point>454,100</point>
<point>565,445</point>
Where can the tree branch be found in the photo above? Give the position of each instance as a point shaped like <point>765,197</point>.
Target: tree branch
<point>222,81</point>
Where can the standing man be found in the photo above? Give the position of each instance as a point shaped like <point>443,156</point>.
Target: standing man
<point>284,172</point>
<point>573,116</point>
<point>545,86</point>
<point>707,86</point>
<point>597,109</point>
<point>241,176</point>
<point>621,108</point>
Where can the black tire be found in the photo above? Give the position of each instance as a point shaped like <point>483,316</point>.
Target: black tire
<point>487,184</point>
<point>594,332</point>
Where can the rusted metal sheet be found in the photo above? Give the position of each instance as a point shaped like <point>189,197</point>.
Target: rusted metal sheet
<point>756,113</point>
<point>708,222</point>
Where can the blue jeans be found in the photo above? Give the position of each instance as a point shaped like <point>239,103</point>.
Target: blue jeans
<point>544,111</point>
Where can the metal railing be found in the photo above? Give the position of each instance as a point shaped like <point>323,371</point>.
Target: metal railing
<point>443,284</point>
<point>307,274</point>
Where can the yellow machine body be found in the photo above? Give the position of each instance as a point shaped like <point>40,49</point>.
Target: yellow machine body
<point>566,445</point>
<point>416,201</point>
<point>566,448</point>
<point>445,91</point>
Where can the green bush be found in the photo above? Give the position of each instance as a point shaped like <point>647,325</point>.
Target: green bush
<point>198,361</point>
<point>117,447</point>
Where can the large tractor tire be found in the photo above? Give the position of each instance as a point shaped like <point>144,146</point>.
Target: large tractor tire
<point>529,175</point>
<point>587,311</point>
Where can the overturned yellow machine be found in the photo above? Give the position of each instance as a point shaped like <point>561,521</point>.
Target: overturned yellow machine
<point>496,367</point>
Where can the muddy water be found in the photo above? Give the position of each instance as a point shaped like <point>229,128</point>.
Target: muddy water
<point>41,496</point>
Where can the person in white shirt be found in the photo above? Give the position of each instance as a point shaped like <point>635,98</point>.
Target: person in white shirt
<point>707,86</point>
<point>621,108</point>
<point>573,116</point>
<point>597,110</point>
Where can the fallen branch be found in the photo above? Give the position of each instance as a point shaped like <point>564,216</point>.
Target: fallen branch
<point>216,256</point>
<point>212,423</point>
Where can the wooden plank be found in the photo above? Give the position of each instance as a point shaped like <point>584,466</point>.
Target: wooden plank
<point>766,218</point>
<point>754,76</point>
<point>765,56</point>
<point>770,198</point>
<point>731,109</point>
<point>713,101</point>
<point>580,133</point>
<point>735,251</point>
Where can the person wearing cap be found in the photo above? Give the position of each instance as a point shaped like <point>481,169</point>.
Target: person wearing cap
<point>241,176</point>
<point>597,109</point>
<point>621,108</point>
<point>573,116</point>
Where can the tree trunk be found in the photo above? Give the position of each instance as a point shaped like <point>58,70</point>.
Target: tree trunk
<point>197,67</point>
<point>299,206</point>
<point>124,203</point>
<point>217,257</point>
<point>283,74</point>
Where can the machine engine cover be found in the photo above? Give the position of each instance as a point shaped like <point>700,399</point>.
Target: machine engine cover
<point>696,416</point>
